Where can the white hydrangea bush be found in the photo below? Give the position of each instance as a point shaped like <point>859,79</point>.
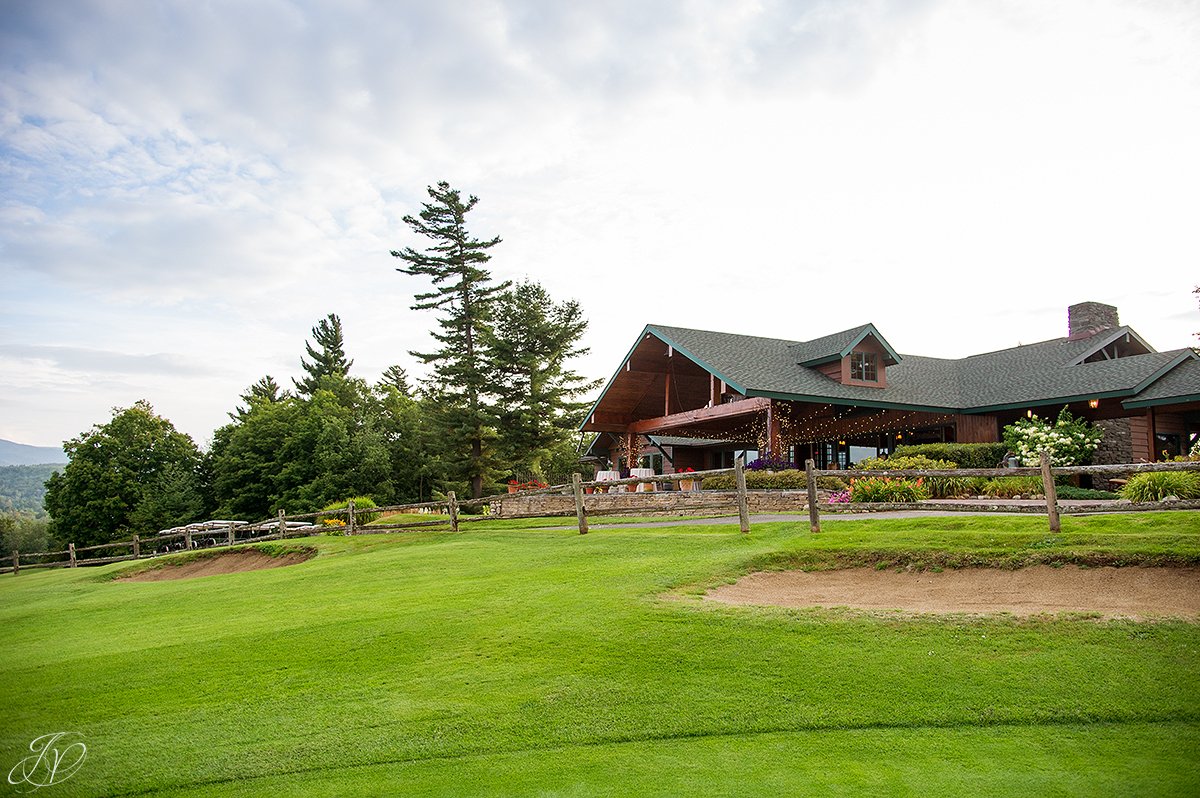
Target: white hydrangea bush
<point>1069,440</point>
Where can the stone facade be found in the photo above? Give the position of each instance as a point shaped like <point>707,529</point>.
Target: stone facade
<point>1115,447</point>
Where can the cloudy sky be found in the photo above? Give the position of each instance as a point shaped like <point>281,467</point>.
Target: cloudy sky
<point>188,187</point>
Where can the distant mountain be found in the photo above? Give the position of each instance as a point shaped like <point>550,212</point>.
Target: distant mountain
<point>19,454</point>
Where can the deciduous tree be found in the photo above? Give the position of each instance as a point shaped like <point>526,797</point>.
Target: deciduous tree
<point>112,471</point>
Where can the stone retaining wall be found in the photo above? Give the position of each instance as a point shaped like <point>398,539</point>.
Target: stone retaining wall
<point>656,503</point>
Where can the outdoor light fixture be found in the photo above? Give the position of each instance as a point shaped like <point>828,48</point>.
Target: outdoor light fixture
<point>1029,413</point>
<point>1093,403</point>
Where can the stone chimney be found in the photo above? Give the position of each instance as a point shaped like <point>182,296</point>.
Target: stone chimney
<point>1088,318</point>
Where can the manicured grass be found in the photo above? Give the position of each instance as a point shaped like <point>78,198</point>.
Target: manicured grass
<point>506,662</point>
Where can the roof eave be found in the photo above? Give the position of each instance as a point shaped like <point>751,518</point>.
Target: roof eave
<point>1058,400</point>
<point>650,329</point>
<point>832,400</point>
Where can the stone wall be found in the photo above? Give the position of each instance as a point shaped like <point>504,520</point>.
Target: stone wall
<point>655,504</point>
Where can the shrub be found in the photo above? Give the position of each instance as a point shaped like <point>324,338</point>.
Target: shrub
<point>360,503</point>
<point>762,480</point>
<point>965,455</point>
<point>1008,487</point>
<point>1069,441</point>
<point>831,483</point>
<point>951,487</point>
<point>1154,487</point>
<point>887,489</point>
<point>896,463</point>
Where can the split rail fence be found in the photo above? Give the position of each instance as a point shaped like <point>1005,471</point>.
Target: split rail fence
<point>231,533</point>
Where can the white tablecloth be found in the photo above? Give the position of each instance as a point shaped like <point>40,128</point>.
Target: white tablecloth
<point>643,487</point>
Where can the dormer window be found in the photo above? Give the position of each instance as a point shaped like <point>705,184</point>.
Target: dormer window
<point>864,366</point>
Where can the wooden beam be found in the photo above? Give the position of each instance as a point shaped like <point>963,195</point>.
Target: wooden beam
<point>648,426</point>
<point>773,430</point>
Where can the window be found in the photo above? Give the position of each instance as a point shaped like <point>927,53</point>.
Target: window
<point>864,366</point>
<point>1168,446</point>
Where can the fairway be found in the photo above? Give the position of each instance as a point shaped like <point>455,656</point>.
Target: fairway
<point>503,661</point>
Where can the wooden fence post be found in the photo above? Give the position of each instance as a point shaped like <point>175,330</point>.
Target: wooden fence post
<point>580,510</point>
<point>282,525</point>
<point>739,471</point>
<point>350,514</point>
<point>814,511</point>
<point>16,562</point>
<point>452,506</point>
<point>137,548</point>
<point>1051,493</point>
<point>71,551</point>
<point>229,535</point>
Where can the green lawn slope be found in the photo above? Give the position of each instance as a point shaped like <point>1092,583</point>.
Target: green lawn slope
<point>525,662</point>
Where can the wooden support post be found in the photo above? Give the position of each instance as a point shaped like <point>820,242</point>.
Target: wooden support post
<point>814,511</point>
<point>137,549</point>
<point>667,397</point>
<point>282,525</point>
<point>452,505</point>
<point>16,562</point>
<point>187,539</point>
<point>229,536</point>
<point>739,470</point>
<point>71,551</point>
<point>1051,493</point>
<point>350,516</point>
<point>580,510</point>
<point>774,430</point>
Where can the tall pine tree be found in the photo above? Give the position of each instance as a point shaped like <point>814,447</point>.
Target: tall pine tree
<point>532,342</point>
<point>463,294</point>
<point>328,359</point>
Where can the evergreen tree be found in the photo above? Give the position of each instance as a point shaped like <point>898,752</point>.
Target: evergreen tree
<point>533,340</point>
<point>463,294</point>
<point>328,359</point>
<point>265,390</point>
<point>396,377</point>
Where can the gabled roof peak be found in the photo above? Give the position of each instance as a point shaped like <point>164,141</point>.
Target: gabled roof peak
<point>838,345</point>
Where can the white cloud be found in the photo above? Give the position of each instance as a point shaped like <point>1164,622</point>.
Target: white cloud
<point>205,181</point>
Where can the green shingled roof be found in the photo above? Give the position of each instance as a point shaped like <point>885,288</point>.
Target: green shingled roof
<point>1040,373</point>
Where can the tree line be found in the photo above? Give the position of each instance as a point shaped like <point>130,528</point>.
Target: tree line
<point>500,402</point>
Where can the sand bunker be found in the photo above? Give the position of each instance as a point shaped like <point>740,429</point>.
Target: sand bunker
<point>1112,592</point>
<point>230,562</point>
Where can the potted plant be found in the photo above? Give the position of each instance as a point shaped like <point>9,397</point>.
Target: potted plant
<point>688,484</point>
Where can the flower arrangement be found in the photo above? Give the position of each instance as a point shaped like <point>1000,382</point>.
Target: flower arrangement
<point>1069,441</point>
<point>532,484</point>
<point>770,463</point>
<point>687,470</point>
